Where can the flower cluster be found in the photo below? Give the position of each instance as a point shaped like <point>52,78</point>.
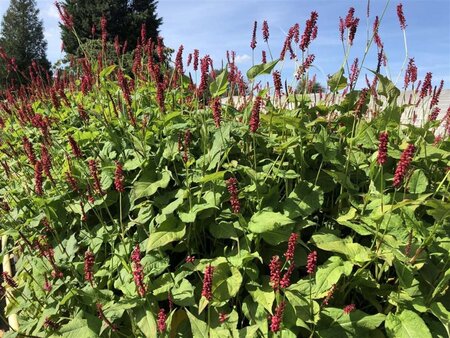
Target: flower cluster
<point>401,16</point>
<point>119,178</point>
<point>138,271</point>
<point>349,308</point>
<point>403,165</point>
<point>38,178</point>
<point>277,318</point>
<point>76,151</point>
<point>310,31</point>
<point>410,73</point>
<point>254,118</point>
<point>207,282</point>
<point>382,148</point>
<point>275,269</point>
<point>217,111</point>
<point>28,148</point>
<point>9,280</point>
<point>94,175</point>
<point>253,42</point>
<point>277,83</point>
<point>311,262</point>
<point>162,317</point>
<point>329,295</point>
<point>265,31</point>
<point>89,261</point>
<point>232,186</point>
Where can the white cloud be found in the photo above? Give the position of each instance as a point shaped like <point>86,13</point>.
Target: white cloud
<point>242,58</point>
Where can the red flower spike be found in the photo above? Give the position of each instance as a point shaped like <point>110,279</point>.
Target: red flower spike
<point>253,42</point>
<point>138,271</point>
<point>329,295</point>
<point>354,73</point>
<point>411,73</point>
<point>38,178</point>
<point>263,57</point>
<point>311,263</point>
<point>232,186</point>
<point>382,148</point>
<point>217,111</point>
<point>94,175</point>
<point>76,151</point>
<point>277,319</point>
<point>162,317</point>
<point>254,118</point>
<point>28,148</point>
<point>403,165</point>
<point>286,280</point>
<point>119,177</point>
<point>289,254</point>
<point>401,16</point>
<point>89,261</point>
<point>223,317</point>
<point>47,285</point>
<point>265,31</point>
<point>307,36</point>
<point>9,280</point>
<point>277,83</point>
<point>349,308</point>
<point>275,270</point>
<point>196,56</point>
<point>189,259</point>
<point>426,86</point>
<point>207,282</point>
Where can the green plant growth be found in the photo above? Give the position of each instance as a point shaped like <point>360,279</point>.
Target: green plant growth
<point>135,208</point>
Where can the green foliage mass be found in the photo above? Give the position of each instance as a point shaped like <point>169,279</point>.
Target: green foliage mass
<point>152,206</point>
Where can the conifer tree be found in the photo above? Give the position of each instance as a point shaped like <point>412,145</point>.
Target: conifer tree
<point>124,19</point>
<point>22,39</point>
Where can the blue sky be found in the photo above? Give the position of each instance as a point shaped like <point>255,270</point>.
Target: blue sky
<point>215,26</point>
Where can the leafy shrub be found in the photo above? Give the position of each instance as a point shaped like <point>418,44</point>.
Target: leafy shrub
<point>136,208</point>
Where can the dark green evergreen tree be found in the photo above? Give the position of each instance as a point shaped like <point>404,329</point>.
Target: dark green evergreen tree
<point>22,38</point>
<point>124,19</point>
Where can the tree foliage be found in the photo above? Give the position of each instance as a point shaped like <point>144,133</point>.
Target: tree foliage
<point>124,19</point>
<point>22,39</point>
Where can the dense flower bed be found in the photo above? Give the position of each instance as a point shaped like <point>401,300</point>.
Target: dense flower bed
<point>142,204</point>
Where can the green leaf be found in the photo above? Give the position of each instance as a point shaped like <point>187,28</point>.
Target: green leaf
<point>77,328</point>
<point>418,182</point>
<point>265,220</point>
<point>407,324</point>
<point>199,328</point>
<point>226,283</point>
<point>329,273</point>
<point>149,183</point>
<point>441,313</point>
<point>146,322</point>
<point>386,87</point>
<point>264,68</point>
<point>106,71</point>
<point>183,294</point>
<point>337,81</point>
<point>334,323</point>
<point>169,231</point>
<point>305,199</point>
<point>264,295</point>
<point>220,84</point>
<point>72,246</point>
<point>355,252</point>
<point>217,176</point>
